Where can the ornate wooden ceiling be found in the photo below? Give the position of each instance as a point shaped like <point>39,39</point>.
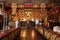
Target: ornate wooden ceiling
<point>34,1</point>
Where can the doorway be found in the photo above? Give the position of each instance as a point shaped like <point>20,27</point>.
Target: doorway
<point>29,22</point>
<point>28,16</point>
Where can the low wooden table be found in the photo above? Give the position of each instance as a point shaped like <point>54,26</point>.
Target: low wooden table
<point>49,34</point>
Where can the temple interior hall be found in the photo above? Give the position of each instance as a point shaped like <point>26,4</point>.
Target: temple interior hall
<point>29,19</point>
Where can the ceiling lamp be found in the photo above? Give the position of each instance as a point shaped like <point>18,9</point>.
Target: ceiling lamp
<point>13,5</point>
<point>20,6</point>
<point>35,5</point>
<point>43,5</point>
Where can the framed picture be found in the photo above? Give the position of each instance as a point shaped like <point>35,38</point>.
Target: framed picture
<point>1,15</point>
<point>2,5</point>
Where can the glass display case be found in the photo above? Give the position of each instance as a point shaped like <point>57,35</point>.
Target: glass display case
<point>3,18</point>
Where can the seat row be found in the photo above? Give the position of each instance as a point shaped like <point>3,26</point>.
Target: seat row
<point>48,34</point>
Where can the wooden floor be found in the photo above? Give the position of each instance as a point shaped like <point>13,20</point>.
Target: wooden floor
<point>29,34</point>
